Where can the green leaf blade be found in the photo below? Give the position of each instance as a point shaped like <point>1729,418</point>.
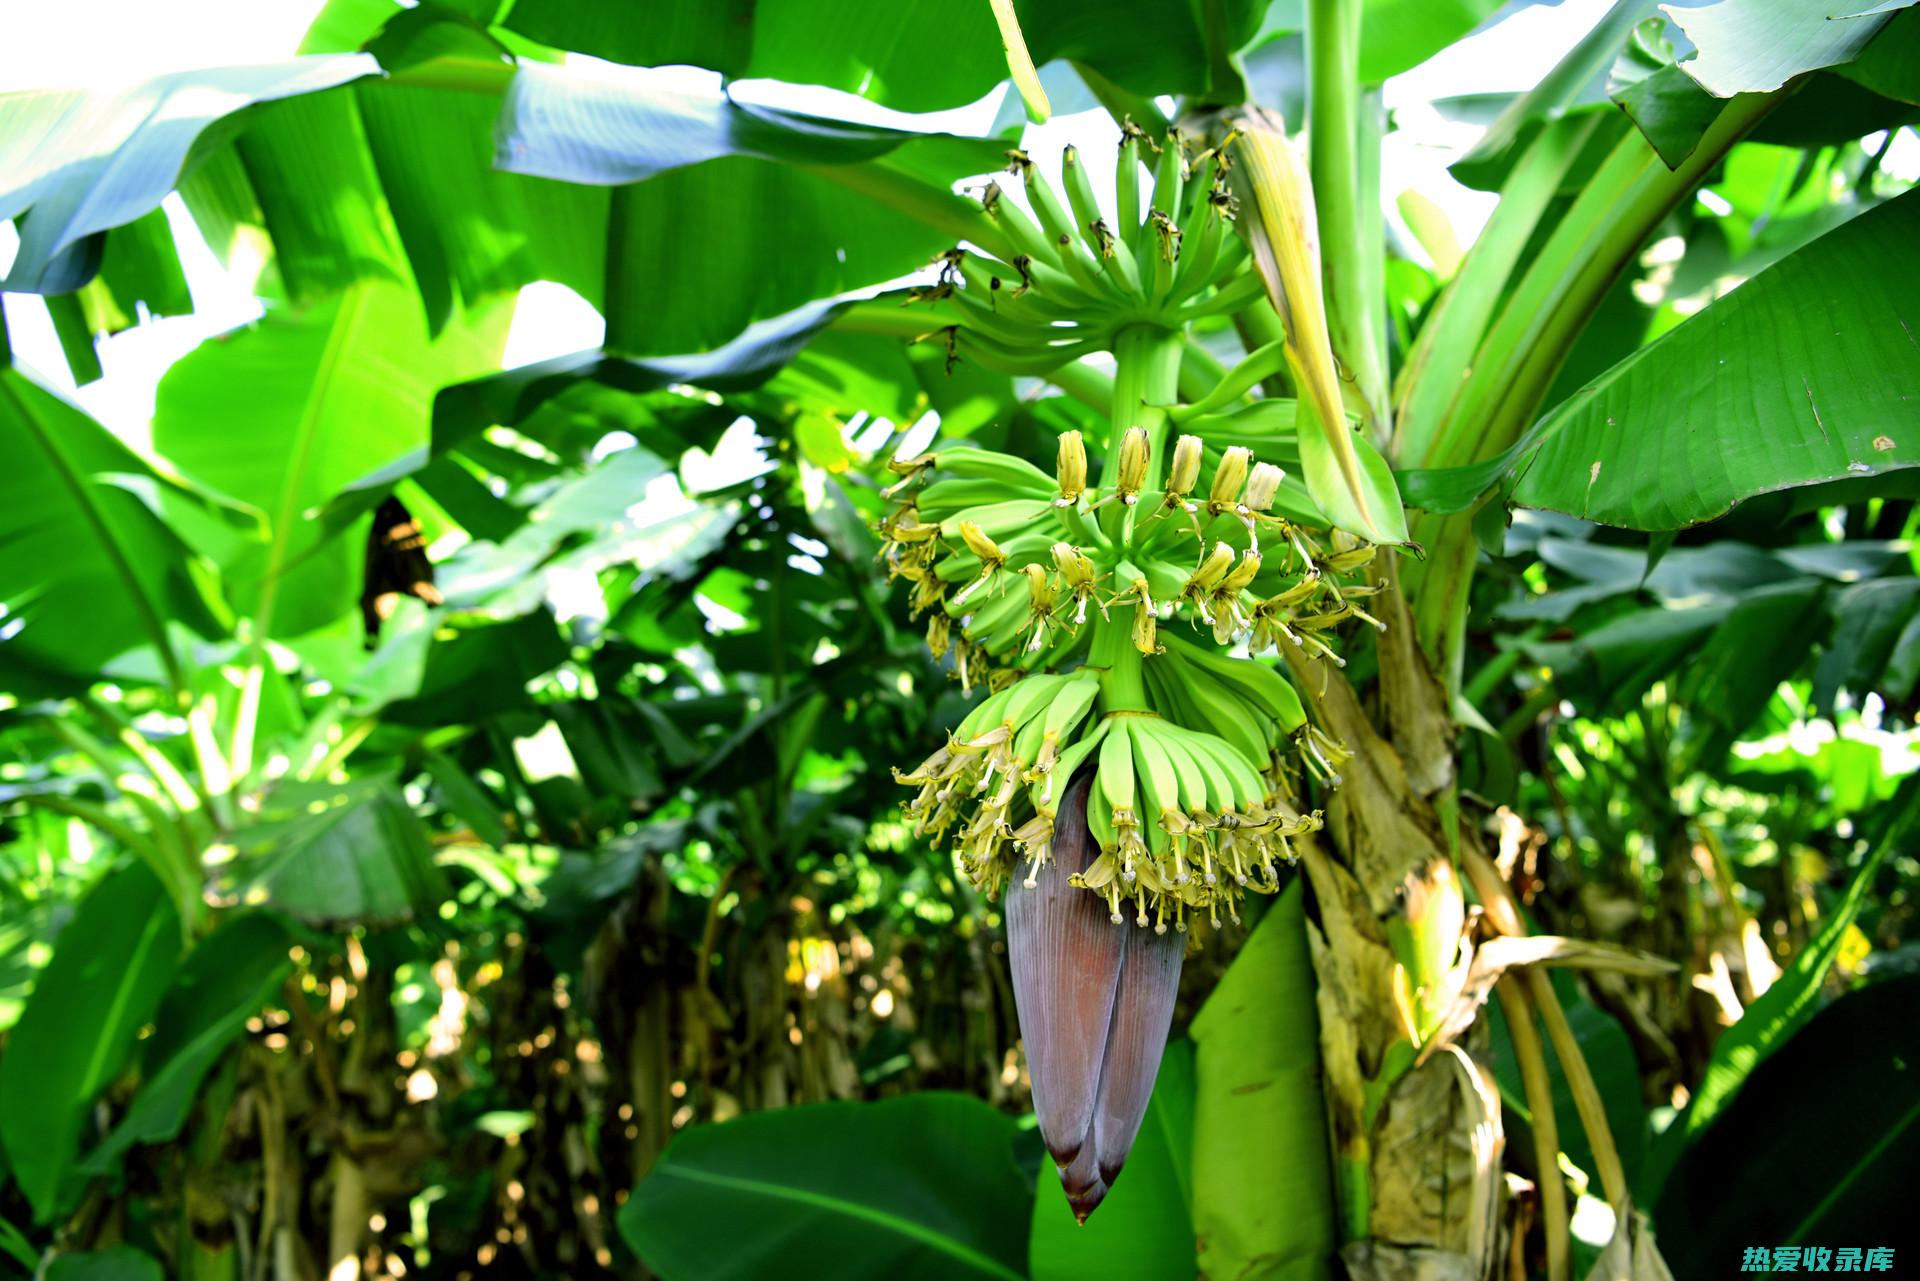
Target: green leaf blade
<point>88,571</point>
<point>105,980</point>
<point>1807,373</point>
<point>327,396</point>
<point>922,1185</point>
<point>725,213</point>
<point>1756,46</point>
<point>85,162</point>
<point>1820,1146</point>
<point>1262,1176</point>
<point>226,980</point>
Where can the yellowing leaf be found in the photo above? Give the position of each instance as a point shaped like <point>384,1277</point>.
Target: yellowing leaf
<point>1354,487</point>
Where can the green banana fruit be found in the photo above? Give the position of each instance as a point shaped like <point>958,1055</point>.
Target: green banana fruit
<point>1112,252</point>
<point>1020,476</point>
<point>1058,225</point>
<point>1126,186</point>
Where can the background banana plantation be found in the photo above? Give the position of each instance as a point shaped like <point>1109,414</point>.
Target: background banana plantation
<point>448,810</point>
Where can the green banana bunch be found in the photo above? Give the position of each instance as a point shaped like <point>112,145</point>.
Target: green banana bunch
<point>1196,790</point>
<point>1032,583</point>
<point>1079,273</point>
<point>1006,755</point>
<point>1186,823</point>
<point>1127,767</point>
<point>1020,561</point>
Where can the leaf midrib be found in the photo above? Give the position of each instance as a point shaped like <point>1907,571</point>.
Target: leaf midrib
<point>81,488</point>
<point>346,324</point>
<point>91,1082</point>
<point>216,1033</point>
<point>853,1210</point>
<point>1853,1175</point>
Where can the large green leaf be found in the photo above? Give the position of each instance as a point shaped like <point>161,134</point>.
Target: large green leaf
<point>717,34</point>
<point>741,213</point>
<point>110,967</point>
<point>480,670</point>
<point>286,414</point>
<point>513,396</point>
<point>1827,109</point>
<point>81,162</point>
<point>1669,107</point>
<point>1753,46</point>
<point>88,572</point>
<point>619,125</point>
<point>1874,616</point>
<point>470,230</point>
<point>330,854</point>
<point>1717,573</point>
<point>395,179</point>
<point>570,404</point>
<point>1820,1150</point>
<point>1610,666</point>
<point>914,55</point>
<point>1890,66</point>
<point>586,525</point>
<point>918,1186</point>
<point>1144,1227</point>
<point>1399,35</point>
<point>1729,680</point>
<point>1262,1181</point>
<point>300,169</point>
<point>1804,374</point>
<point>715,247</point>
<point>117,1263</point>
<point>14,1244</point>
<point>226,980</point>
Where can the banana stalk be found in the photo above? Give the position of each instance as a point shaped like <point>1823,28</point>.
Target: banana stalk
<point>1344,157</point>
<point>1020,62</point>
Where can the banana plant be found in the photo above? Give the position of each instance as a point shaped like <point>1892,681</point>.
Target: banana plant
<point>1011,565</point>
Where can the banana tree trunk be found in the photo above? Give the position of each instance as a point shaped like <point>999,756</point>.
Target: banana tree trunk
<point>1418,1145</point>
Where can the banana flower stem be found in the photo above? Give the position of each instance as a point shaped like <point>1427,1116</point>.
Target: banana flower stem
<point>1123,683</point>
<point>1146,379</point>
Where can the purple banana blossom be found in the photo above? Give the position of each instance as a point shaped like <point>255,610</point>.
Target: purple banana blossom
<point>1095,1001</point>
